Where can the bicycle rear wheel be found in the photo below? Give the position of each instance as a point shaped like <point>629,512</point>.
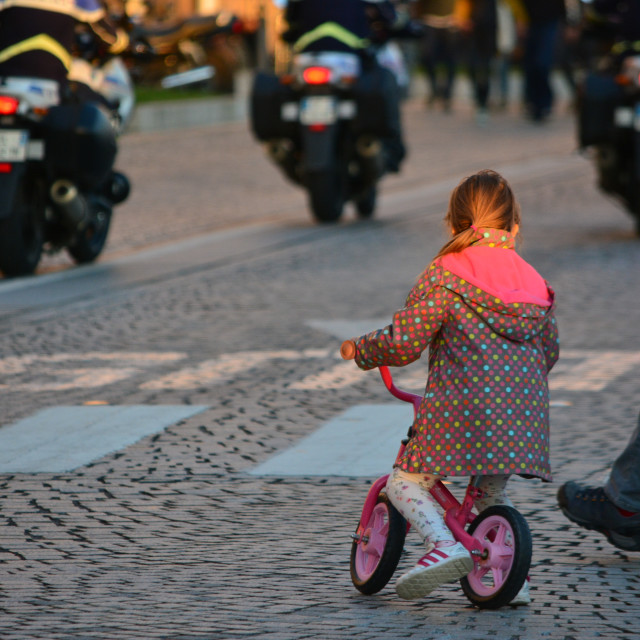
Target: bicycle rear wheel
<point>500,573</point>
<point>375,556</point>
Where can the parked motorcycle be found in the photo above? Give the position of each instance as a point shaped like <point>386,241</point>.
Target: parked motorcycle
<point>199,50</point>
<point>609,124</point>
<point>56,167</point>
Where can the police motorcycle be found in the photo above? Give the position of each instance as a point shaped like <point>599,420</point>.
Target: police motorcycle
<point>56,165</point>
<point>608,110</point>
<point>327,125</point>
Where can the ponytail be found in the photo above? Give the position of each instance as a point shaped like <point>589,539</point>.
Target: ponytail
<point>484,199</point>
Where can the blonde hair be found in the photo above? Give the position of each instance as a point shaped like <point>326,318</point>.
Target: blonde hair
<point>484,199</point>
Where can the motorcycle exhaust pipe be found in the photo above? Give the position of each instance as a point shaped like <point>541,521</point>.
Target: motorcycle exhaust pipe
<point>69,202</point>
<point>367,147</point>
<point>279,151</point>
<point>282,153</point>
<point>371,159</point>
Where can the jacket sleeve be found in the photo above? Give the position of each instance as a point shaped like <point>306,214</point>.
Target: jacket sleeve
<point>409,334</point>
<point>549,341</point>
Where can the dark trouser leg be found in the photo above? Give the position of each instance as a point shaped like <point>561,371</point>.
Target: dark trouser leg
<point>623,487</point>
<point>538,62</point>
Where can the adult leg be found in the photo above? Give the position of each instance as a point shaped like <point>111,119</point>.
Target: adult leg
<point>450,45</point>
<point>614,509</point>
<point>623,486</point>
<point>429,62</point>
<point>539,56</point>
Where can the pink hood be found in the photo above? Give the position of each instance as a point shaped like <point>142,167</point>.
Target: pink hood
<point>501,273</point>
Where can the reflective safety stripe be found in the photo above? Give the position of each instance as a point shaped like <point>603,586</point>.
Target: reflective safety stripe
<point>41,42</point>
<point>621,47</point>
<point>83,10</point>
<point>331,30</point>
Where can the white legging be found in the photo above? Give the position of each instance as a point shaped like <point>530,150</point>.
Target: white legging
<point>409,494</point>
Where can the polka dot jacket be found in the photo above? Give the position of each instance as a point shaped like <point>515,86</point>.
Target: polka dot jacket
<point>486,317</point>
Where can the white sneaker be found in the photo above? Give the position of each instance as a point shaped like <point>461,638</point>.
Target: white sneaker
<point>437,567</point>
<point>523,596</point>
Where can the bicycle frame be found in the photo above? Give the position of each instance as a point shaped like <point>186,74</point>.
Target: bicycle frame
<point>457,515</point>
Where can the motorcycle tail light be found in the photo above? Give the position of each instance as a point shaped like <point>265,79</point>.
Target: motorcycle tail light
<point>8,105</point>
<point>316,75</point>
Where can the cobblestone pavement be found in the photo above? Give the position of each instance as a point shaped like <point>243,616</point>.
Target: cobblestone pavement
<point>172,537</point>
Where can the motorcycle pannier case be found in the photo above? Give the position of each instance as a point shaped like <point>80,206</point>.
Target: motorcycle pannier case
<point>597,99</point>
<point>375,93</point>
<point>80,143</point>
<point>268,95</point>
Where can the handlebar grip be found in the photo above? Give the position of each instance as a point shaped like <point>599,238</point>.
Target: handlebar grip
<point>348,350</point>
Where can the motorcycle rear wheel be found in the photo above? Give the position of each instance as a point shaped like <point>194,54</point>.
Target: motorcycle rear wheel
<point>366,203</point>
<point>89,243</point>
<point>325,196</point>
<point>22,234</point>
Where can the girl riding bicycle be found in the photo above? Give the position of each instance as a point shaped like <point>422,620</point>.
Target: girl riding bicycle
<point>487,318</point>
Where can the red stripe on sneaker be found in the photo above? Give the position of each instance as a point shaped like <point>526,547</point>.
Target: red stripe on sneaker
<point>429,559</point>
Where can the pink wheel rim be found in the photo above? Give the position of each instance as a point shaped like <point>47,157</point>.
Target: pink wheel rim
<point>369,551</point>
<point>496,537</point>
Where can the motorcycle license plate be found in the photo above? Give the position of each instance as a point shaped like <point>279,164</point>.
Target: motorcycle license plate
<point>318,110</point>
<point>13,145</point>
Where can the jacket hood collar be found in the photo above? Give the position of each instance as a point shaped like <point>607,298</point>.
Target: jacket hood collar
<point>489,237</point>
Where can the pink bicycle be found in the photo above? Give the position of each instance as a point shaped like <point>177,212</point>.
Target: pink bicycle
<point>498,538</point>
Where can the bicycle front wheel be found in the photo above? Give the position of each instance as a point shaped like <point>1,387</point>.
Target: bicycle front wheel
<point>375,556</point>
<point>499,574</point>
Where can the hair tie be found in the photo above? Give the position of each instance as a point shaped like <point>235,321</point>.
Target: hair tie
<point>476,232</point>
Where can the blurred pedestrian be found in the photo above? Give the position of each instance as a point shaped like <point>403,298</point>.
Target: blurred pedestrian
<point>479,25</point>
<point>439,48</point>
<point>511,18</point>
<point>545,18</point>
<point>613,509</point>
<point>479,22</point>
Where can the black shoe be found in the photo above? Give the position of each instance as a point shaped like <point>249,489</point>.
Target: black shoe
<point>590,508</point>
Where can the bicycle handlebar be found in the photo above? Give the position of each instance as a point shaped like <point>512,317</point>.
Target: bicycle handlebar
<point>348,350</point>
